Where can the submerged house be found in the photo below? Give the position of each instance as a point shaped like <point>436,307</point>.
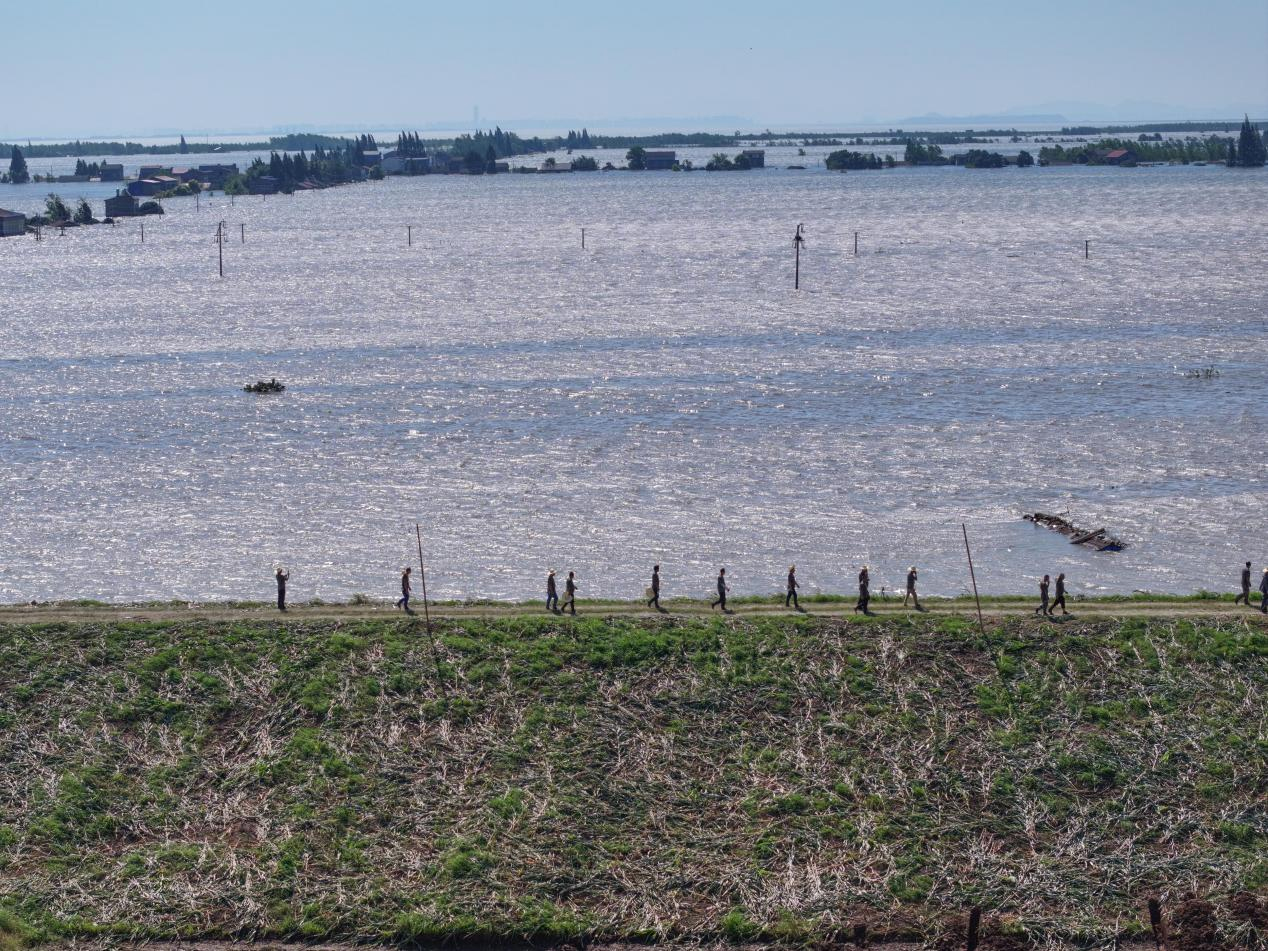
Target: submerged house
<point>660,160</point>
<point>145,188</point>
<point>122,205</point>
<point>1120,157</point>
<point>111,172</point>
<point>756,157</point>
<point>12,223</point>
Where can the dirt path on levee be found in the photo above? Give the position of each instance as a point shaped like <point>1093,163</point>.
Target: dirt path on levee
<point>1086,609</point>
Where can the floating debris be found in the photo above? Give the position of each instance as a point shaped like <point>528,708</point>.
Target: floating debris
<point>264,386</point>
<point>1096,538</point>
<point>1202,373</point>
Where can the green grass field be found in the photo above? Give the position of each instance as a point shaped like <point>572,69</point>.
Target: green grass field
<point>778,779</point>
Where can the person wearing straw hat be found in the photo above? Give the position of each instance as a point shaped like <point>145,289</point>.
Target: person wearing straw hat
<point>1244,597</point>
<point>911,589</point>
<point>1263,589</point>
<point>281,576</point>
<point>1043,597</point>
<point>570,594</point>
<point>792,588</point>
<point>403,600</point>
<point>865,594</point>
<point>552,593</point>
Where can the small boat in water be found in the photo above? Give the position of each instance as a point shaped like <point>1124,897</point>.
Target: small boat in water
<point>264,386</point>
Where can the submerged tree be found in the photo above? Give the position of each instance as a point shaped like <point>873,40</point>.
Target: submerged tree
<point>56,209</point>
<point>18,174</point>
<point>1251,151</point>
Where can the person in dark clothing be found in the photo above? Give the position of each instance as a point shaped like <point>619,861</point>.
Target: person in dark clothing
<point>654,600</point>
<point>1263,589</point>
<point>1043,597</point>
<point>403,601</point>
<point>552,593</point>
<point>911,589</point>
<point>792,588</point>
<point>722,590</point>
<point>282,577</point>
<point>1244,597</point>
<point>1059,600</point>
<point>865,594</point>
<point>570,594</point>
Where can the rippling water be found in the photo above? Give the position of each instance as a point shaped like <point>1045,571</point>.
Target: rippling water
<point>662,395</point>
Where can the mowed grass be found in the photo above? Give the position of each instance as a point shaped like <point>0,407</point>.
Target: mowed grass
<point>780,779</point>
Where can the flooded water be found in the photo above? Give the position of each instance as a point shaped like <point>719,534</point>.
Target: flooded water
<point>662,395</point>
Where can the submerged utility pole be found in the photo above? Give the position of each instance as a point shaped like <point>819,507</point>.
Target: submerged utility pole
<point>1086,253</point>
<point>798,241</point>
<point>220,247</point>
<point>409,236</point>
<point>242,230</point>
<point>583,239</point>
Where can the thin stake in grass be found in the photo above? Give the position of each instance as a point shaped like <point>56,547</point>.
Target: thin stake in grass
<point>973,577</point>
<point>1156,924</point>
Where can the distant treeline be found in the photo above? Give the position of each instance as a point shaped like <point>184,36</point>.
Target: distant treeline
<point>1209,149</point>
<point>283,143</point>
<point>1226,125</point>
<point>507,144</point>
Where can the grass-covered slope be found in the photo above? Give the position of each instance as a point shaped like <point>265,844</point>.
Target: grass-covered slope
<point>781,778</point>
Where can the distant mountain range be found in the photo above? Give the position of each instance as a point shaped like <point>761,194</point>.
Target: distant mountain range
<point>1070,111</point>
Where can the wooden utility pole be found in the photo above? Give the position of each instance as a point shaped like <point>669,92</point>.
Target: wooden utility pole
<point>143,232</point>
<point>583,239</point>
<point>409,236</point>
<point>220,246</point>
<point>973,577</point>
<point>798,241</point>
<point>242,230</point>
<point>1086,252</point>
<point>422,577</point>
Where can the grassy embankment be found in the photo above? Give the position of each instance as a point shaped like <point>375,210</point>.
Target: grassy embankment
<point>780,778</point>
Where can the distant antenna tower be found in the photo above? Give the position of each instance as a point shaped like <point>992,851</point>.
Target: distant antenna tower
<point>475,117</point>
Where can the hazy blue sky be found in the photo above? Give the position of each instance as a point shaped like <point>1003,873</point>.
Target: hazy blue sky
<point>97,67</point>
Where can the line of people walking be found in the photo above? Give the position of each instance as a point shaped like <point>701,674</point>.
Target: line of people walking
<point>1244,597</point>
<point>1047,606</point>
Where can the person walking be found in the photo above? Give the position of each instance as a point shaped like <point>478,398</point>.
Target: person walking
<point>1244,597</point>
<point>911,589</point>
<point>552,593</point>
<point>403,600</point>
<point>722,590</point>
<point>654,600</point>
<point>1263,589</point>
<point>570,594</point>
<point>1059,600</point>
<point>282,576</point>
<point>865,594</point>
<point>1043,597</point>
<point>792,588</point>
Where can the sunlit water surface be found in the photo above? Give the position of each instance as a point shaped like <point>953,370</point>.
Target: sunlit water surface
<point>662,395</point>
